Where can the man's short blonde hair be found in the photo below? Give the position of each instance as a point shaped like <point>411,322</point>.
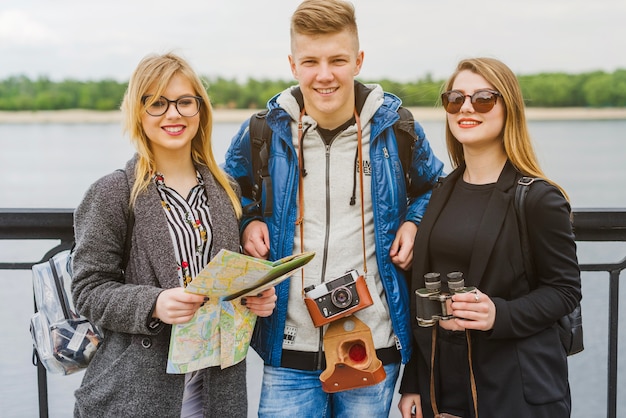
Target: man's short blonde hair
<point>322,17</point>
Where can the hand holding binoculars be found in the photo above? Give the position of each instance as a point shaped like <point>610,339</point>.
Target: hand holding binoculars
<point>431,301</point>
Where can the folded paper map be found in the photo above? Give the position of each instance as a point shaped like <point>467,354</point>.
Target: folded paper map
<point>220,332</point>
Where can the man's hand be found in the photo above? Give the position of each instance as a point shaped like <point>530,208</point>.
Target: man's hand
<point>401,251</point>
<point>255,240</point>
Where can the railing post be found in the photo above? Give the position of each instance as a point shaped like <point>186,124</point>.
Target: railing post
<point>42,380</point>
<point>613,337</point>
<point>42,386</point>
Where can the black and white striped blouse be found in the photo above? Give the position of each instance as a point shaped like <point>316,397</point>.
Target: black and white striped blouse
<point>189,222</point>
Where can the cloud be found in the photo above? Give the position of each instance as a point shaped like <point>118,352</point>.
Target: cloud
<point>18,29</point>
<point>402,39</point>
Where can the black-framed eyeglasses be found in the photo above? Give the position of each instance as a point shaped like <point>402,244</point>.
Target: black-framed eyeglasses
<point>185,105</point>
<point>482,100</point>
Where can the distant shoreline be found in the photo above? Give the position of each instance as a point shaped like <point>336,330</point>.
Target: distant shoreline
<point>239,115</point>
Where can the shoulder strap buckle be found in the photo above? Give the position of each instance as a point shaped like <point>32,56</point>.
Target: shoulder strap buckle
<point>526,181</point>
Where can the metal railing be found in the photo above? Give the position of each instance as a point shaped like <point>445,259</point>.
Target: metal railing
<point>37,224</point>
<point>599,225</point>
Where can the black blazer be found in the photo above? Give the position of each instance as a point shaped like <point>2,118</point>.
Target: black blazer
<point>520,366</point>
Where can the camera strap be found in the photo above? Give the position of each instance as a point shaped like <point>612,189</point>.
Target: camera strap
<point>433,397</point>
<point>359,136</point>
<point>300,220</point>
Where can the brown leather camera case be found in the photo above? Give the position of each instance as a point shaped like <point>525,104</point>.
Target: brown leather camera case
<point>342,372</point>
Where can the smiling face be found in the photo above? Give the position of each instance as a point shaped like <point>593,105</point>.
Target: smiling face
<point>172,133</point>
<point>472,129</point>
<point>325,66</point>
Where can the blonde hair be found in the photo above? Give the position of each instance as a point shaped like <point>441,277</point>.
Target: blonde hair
<point>322,17</point>
<point>155,72</point>
<point>515,136</point>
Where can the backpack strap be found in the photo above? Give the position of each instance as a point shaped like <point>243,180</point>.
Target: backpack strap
<point>404,130</point>
<point>523,185</point>
<point>260,141</point>
<point>60,290</point>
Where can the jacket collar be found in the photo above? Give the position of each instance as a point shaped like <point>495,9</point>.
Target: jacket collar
<point>283,107</point>
<point>488,231</point>
<point>151,228</point>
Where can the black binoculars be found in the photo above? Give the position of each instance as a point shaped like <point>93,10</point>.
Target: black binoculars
<point>431,302</point>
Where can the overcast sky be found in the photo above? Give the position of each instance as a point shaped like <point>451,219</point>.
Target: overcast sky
<point>402,39</point>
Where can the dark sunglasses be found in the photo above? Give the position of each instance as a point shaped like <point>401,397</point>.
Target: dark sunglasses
<point>482,100</point>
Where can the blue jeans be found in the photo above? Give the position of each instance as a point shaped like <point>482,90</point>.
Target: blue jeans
<point>298,393</point>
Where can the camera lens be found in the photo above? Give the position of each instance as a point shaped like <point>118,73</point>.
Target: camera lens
<point>341,297</point>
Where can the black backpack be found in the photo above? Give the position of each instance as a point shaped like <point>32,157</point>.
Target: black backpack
<point>571,325</point>
<point>260,138</point>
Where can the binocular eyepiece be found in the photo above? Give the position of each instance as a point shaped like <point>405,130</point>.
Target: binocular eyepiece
<point>431,302</point>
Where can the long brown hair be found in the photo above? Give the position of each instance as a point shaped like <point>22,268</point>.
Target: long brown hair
<point>155,72</point>
<point>515,136</point>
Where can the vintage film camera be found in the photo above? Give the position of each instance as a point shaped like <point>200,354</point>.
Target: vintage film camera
<point>337,298</point>
<point>431,302</point>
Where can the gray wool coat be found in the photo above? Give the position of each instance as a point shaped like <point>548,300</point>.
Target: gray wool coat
<point>127,375</point>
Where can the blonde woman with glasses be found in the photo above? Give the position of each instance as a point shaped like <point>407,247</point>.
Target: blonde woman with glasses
<point>186,210</point>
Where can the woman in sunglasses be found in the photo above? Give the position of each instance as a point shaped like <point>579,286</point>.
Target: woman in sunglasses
<point>185,210</point>
<point>500,355</point>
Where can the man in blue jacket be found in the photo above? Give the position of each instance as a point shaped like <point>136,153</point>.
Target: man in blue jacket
<point>338,190</point>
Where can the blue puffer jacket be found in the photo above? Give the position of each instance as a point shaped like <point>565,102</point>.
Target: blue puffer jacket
<point>389,197</point>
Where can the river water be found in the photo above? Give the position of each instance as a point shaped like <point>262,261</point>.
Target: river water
<point>50,165</point>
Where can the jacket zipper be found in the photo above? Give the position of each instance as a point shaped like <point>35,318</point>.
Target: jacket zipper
<point>326,235</point>
<point>389,170</point>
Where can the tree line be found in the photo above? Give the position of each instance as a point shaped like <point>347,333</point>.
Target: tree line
<point>592,89</point>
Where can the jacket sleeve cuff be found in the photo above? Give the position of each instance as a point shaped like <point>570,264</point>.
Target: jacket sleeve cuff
<point>502,325</point>
<point>409,382</point>
<point>245,221</point>
<point>154,325</point>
